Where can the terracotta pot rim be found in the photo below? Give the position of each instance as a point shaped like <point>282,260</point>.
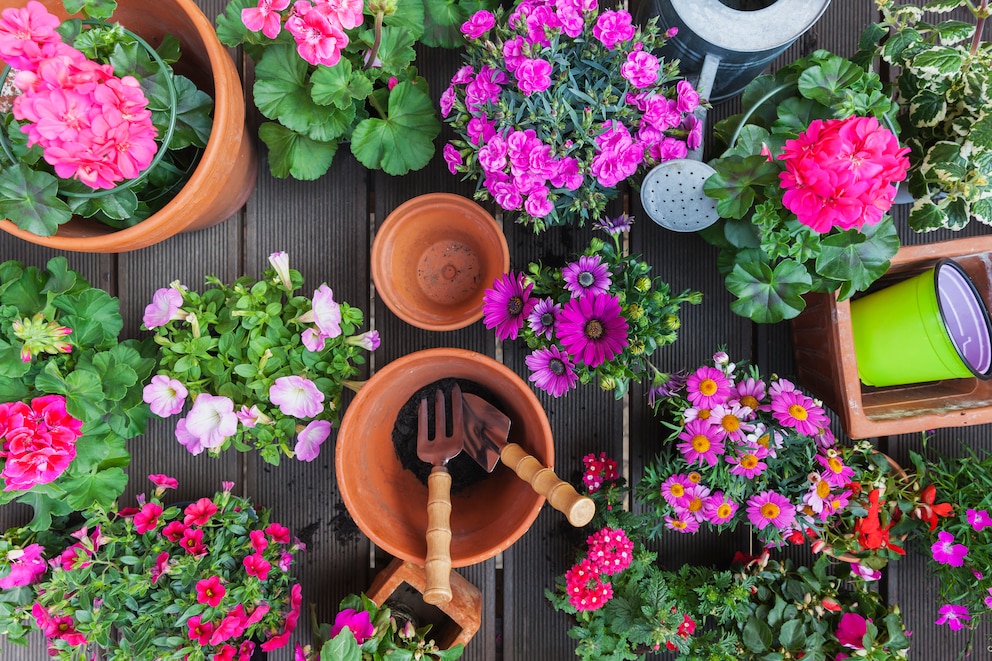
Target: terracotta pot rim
<point>390,232</point>
<point>350,483</point>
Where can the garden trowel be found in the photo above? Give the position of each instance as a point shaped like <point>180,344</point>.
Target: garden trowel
<point>486,430</point>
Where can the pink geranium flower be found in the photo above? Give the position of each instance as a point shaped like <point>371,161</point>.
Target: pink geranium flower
<point>265,17</point>
<point>297,396</point>
<point>318,40</point>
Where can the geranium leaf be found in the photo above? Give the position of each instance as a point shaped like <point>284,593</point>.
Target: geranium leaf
<point>119,205</point>
<point>340,86</point>
<point>403,141</point>
<point>795,116</point>
<point>95,451</point>
<point>193,110</point>
<point>45,507</point>
<point>116,376</point>
<point>827,83</point>
<point>296,155</point>
<point>94,317</point>
<point>768,296</point>
<point>12,368</point>
<point>29,198</point>
<point>408,16</point>
<point>442,22</point>
<point>858,258</point>
<point>396,50</point>
<point>282,93</point>
<point>734,182</point>
<point>749,141</point>
<point>81,388</point>
<point>231,29</point>
<point>60,278</point>
<point>101,488</point>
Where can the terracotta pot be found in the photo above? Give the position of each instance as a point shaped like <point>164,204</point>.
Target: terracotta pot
<point>434,257</point>
<point>225,176</point>
<point>389,503</point>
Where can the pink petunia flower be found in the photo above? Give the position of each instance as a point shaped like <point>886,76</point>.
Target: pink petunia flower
<point>212,420</point>
<point>164,396</point>
<point>309,440</point>
<point>165,307</point>
<point>296,396</point>
<point>26,566</point>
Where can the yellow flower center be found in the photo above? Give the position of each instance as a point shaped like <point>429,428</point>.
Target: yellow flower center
<point>678,524</point>
<point>703,414</point>
<point>823,489</point>
<point>700,443</point>
<point>749,401</point>
<point>677,490</point>
<point>765,440</point>
<point>770,510</point>
<point>723,511</point>
<point>708,387</point>
<point>749,461</point>
<point>695,477</point>
<point>730,423</point>
<point>835,465</point>
<point>695,504</point>
<point>798,411</point>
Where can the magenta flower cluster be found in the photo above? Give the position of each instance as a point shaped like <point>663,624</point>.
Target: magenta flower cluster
<point>317,28</point>
<point>90,124</point>
<point>587,583</point>
<point>550,135</point>
<point>38,441</point>
<point>739,444</point>
<point>840,173</point>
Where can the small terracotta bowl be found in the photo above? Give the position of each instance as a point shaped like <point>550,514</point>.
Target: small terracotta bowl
<point>389,503</point>
<point>434,257</point>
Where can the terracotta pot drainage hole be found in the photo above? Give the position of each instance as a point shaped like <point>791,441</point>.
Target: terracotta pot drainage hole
<point>449,272</point>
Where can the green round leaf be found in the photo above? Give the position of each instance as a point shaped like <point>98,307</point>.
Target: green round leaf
<point>768,296</point>
<point>296,155</point>
<point>404,140</point>
<point>29,198</point>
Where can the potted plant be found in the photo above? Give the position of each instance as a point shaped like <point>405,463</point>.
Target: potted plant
<point>70,391</point>
<point>804,186</point>
<point>328,74</point>
<point>259,364</point>
<point>206,580</point>
<point>744,449</point>
<point>163,173</point>
<point>942,68</point>
<point>558,104</point>
<point>366,631</point>
<point>600,317</point>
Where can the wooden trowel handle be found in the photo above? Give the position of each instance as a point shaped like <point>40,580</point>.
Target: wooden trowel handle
<point>438,564</point>
<point>579,510</point>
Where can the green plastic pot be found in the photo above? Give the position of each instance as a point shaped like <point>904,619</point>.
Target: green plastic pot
<point>930,327</point>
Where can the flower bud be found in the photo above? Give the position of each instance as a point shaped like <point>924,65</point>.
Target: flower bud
<point>694,298</point>
<point>635,312</point>
<point>607,383</point>
<point>671,322</point>
<point>385,7</point>
<point>596,246</point>
<point>643,284</point>
<point>637,347</point>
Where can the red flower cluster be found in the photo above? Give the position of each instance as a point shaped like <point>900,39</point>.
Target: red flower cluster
<point>39,441</point>
<point>869,529</point>
<point>684,630</point>
<point>610,551</point>
<point>928,509</point>
<point>598,471</point>
<point>839,173</point>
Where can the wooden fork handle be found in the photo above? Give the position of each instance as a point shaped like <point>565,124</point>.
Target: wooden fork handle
<point>579,510</point>
<point>438,564</point>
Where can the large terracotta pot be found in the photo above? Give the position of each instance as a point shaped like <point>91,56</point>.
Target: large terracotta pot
<point>389,503</point>
<point>225,176</point>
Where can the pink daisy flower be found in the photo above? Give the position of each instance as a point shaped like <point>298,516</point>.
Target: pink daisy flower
<point>552,370</point>
<point>729,421</point>
<point>719,509</point>
<point>707,387</point>
<point>695,501</point>
<point>543,317</point>
<point>682,524</point>
<point>836,503</point>
<point>592,329</point>
<point>834,470</point>
<point>588,276</point>
<point>779,386</point>
<point>749,392</point>
<point>673,490</point>
<point>700,443</point>
<point>769,439</point>
<point>770,508</point>
<point>507,305</point>
<point>694,413</point>
<point>796,410</point>
<point>749,462</point>
<point>818,494</point>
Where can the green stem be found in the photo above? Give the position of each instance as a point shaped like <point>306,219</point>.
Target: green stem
<point>374,51</point>
<point>981,14</point>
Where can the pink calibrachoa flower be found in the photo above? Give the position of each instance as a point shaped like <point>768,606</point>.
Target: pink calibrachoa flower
<point>507,305</point>
<point>278,533</point>
<point>700,443</point>
<point>199,513</point>
<point>257,566</point>
<point>147,519</point>
<point>799,411</point>
<point>988,599</point>
<point>192,542</point>
<point>719,509</point>
<point>210,591</point>
<point>164,396</point>
<point>588,276</point>
<point>297,396</point>
<point>258,540</point>
<point>946,552</point>
<point>212,420</point>
<point>26,566</point>
<point>163,481</point>
<point>173,531</point>
<point>198,630</point>
<point>707,387</point>
<point>598,470</point>
<point>552,370</point>
<point>953,616</point>
<point>770,508</point>
<point>161,566</point>
<point>265,17</point>
<point>610,550</point>
<point>310,438</point>
<point>979,519</point>
<point>592,329</point>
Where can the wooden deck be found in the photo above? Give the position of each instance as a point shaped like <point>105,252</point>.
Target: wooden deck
<point>327,228</point>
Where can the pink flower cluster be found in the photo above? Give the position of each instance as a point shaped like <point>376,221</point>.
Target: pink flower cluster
<point>610,551</point>
<point>738,433</point>
<point>599,470</point>
<point>528,163</point>
<point>91,125</point>
<point>39,441</point>
<point>840,173</point>
<point>317,27</point>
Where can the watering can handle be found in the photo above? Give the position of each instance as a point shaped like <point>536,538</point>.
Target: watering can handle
<point>562,496</point>
<point>438,564</point>
<point>707,74</point>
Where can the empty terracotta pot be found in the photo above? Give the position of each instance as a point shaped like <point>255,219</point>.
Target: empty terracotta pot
<point>434,257</point>
<point>389,503</point>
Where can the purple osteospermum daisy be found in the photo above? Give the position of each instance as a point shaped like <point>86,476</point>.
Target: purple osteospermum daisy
<point>587,277</point>
<point>592,329</point>
<point>506,306</point>
<point>953,616</point>
<point>665,385</point>
<point>769,508</point>
<point>796,410</point>
<point>700,443</point>
<point>543,317</point>
<point>616,225</point>
<point>719,509</point>
<point>553,371</point>
<point>946,552</point>
<point>707,387</point>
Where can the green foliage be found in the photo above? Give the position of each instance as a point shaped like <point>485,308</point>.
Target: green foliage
<point>382,111</point>
<point>37,200</point>
<point>770,259</point>
<point>100,378</point>
<point>943,87</point>
<point>236,340</point>
<point>394,638</point>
